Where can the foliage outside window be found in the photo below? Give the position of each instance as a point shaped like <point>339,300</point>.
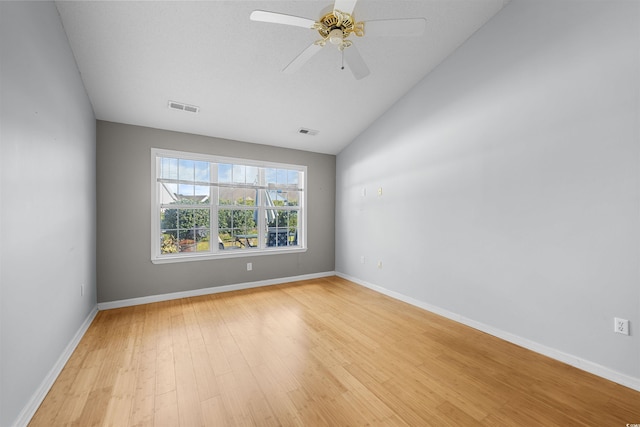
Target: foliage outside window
<point>211,207</point>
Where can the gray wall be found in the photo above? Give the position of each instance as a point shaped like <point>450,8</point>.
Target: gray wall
<point>47,226</point>
<point>124,208</point>
<point>510,182</point>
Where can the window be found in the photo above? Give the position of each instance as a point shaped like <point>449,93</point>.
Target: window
<point>207,207</point>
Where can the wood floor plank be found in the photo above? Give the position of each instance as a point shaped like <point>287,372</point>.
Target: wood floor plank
<point>74,399</point>
<point>234,402</point>
<point>308,409</point>
<point>204,373</point>
<point>119,408</point>
<point>166,410</point>
<point>187,396</point>
<point>363,401</point>
<point>144,398</point>
<point>321,352</point>
<point>213,412</point>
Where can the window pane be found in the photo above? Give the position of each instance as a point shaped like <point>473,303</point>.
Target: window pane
<point>228,242</point>
<point>283,219</point>
<point>237,228</point>
<point>225,196</point>
<point>202,171</point>
<point>191,194</point>
<point>270,213</point>
<point>279,197</point>
<point>169,219</point>
<point>168,193</point>
<point>293,228</point>
<point>245,196</point>
<point>193,228</point>
<point>239,174</point>
<point>293,178</point>
<point>202,194</point>
<point>253,176</point>
<point>168,168</point>
<point>271,176</point>
<point>182,225</point>
<point>282,228</point>
<point>282,177</point>
<point>186,219</point>
<point>202,239</point>
<point>186,242</point>
<point>201,218</point>
<point>186,170</point>
<point>185,193</point>
<point>169,242</point>
<point>237,196</point>
<point>293,198</point>
<point>224,173</point>
<point>276,236</point>
<point>273,198</point>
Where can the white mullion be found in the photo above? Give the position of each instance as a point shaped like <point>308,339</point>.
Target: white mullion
<point>177,206</point>
<point>214,194</point>
<point>156,234</point>
<point>302,214</point>
<point>261,207</point>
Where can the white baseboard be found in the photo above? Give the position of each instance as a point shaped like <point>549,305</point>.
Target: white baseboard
<point>207,291</point>
<point>577,362</point>
<point>41,392</point>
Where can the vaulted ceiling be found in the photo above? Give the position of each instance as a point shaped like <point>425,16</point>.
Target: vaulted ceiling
<point>135,57</point>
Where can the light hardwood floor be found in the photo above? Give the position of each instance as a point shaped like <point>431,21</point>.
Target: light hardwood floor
<point>313,353</point>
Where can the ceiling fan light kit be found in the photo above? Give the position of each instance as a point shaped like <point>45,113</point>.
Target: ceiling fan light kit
<point>335,27</point>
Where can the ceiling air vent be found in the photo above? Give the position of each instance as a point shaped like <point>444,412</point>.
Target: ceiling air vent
<point>306,131</point>
<point>183,107</point>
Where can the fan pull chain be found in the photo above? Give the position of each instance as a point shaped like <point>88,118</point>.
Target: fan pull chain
<point>342,67</point>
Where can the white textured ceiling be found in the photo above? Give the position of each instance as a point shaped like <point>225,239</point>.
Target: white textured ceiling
<point>136,56</point>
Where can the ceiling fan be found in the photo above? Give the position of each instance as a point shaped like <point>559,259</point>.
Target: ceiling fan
<point>335,27</point>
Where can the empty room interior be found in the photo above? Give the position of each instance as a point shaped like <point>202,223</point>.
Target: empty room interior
<point>320,213</point>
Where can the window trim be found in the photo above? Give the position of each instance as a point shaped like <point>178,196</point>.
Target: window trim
<point>157,258</point>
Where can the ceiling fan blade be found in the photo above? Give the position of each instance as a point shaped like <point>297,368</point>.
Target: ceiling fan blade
<point>301,59</point>
<point>395,27</point>
<point>281,18</point>
<point>345,6</point>
<point>355,62</point>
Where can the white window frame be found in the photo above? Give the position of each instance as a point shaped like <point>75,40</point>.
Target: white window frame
<point>214,252</point>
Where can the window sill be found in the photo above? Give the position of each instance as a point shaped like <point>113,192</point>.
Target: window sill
<point>170,259</point>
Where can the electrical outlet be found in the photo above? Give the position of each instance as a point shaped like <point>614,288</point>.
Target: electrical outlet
<point>82,289</point>
<point>249,266</point>
<point>380,191</point>
<point>380,264</point>
<point>622,326</point>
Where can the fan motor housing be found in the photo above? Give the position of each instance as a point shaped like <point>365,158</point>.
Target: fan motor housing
<point>337,20</point>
